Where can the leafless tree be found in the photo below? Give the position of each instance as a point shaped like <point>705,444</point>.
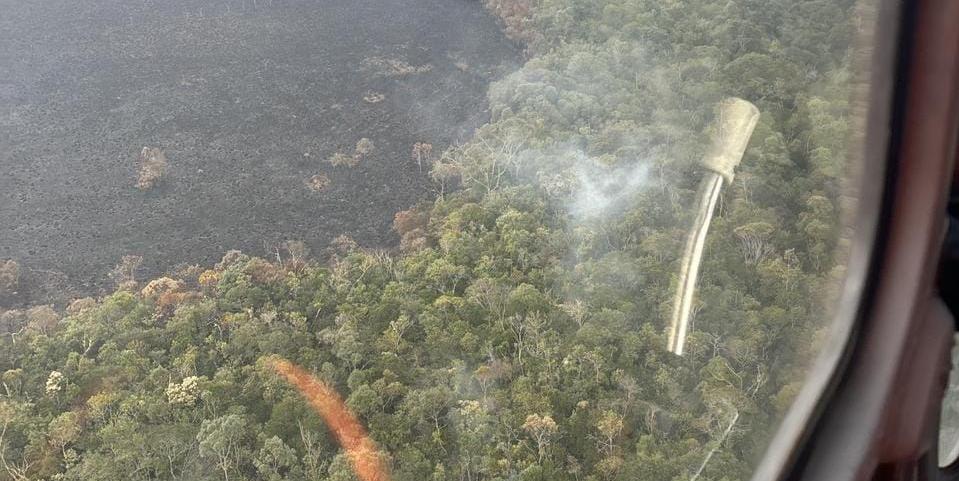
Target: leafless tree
<point>754,241</point>
<point>17,469</point>
<point>126,271</point>
<point>153,166</point>
<point>9,277</point>
<point>422,152</point>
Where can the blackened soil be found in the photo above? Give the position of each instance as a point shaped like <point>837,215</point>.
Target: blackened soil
<point>247,101</point>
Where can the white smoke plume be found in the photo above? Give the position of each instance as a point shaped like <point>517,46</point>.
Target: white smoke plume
<point>602,191</point>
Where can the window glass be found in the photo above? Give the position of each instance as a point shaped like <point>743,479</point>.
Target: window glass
<point>949,420</point>
<point>418,240</point>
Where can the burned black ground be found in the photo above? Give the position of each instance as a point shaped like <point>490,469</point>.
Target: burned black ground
<point>246,100</point>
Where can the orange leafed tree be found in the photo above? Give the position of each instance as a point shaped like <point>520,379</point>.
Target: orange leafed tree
<point>352,436</point>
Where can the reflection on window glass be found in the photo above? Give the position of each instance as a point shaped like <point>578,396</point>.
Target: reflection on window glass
<point>949,420</point>
<point>419,240</point>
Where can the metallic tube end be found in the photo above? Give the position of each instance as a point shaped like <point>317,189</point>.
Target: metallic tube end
<point>735,120</point>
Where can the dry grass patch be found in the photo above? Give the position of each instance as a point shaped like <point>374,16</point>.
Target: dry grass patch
<point>318,182</point>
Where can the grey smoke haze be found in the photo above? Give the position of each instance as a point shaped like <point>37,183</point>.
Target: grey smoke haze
<point>601,191</point>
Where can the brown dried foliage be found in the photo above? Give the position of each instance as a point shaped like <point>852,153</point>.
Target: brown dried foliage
<point>411,225</point>
<point>516,16</point>
<point>264,272</point>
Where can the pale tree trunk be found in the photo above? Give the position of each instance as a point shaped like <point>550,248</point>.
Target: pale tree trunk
<point>709,455</point>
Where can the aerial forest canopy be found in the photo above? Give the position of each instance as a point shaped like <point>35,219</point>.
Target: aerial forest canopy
<point>519,329</point>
